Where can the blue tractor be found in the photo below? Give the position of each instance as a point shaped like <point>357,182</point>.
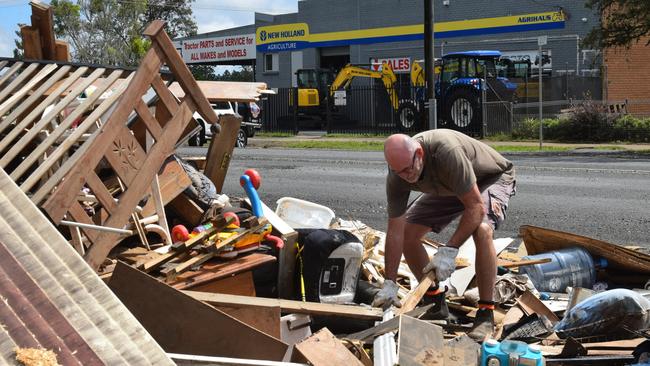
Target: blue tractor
<point>458,88</point>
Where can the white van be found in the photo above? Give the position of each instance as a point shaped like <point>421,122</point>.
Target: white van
<point>249,112</point>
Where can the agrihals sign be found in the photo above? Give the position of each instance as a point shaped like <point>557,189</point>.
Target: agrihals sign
<point>215,49</point>
<point>398,64</point>
<point>284,37</point>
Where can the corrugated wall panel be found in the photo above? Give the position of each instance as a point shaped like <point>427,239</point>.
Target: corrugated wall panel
<point>52,299</point>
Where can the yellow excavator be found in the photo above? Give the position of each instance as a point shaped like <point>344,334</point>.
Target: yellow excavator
<point>315,84</point>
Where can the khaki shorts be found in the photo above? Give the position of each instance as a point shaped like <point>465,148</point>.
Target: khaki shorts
<point>437,212</point>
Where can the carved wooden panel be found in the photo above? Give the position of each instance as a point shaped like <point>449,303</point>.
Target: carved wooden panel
<point>115,151</point>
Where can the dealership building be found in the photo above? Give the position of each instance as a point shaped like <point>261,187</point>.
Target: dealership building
<point>332,33</point>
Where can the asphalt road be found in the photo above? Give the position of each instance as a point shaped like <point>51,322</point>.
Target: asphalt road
<point>600,196</point>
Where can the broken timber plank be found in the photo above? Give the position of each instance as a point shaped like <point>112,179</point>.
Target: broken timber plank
<point>287,255</point>
<point>220,151</point>
<point>43,20</point>
<point>530,304</point>
<point>289,306</point>
<point>187,209</point>
<point>324,349</point>
<point>414,297</point>
<point>391,325</point>
<point>181,324</point>
<point>216,271</point>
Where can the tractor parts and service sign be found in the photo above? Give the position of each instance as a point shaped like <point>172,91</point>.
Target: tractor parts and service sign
<point>215,49</point>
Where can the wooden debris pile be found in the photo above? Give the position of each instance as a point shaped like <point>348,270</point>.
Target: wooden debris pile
<point>93,148</point>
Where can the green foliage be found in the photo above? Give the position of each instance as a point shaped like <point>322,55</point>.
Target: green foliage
<point>177,15</point>
<point>577,128</point>
<point>628,128</point>
<point>202,72</point>
<point>19,50</point>
<point>109,32</point>
<point>246,74</point>
<point>625,21</point>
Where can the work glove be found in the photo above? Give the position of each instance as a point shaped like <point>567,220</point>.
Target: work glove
<point>387,296</point>
<point>444,262</point>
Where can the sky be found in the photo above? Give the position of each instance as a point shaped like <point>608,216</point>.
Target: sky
<point>210,15</point>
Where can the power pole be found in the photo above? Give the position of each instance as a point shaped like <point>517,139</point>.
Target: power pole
<point>429,66</point>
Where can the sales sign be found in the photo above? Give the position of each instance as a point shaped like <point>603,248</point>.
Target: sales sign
<point>399,64</point>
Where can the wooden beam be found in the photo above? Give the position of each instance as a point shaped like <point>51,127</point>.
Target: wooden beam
<point>414,297</point>
<point>62,52</point>
<point>221,150</point>
<point>31,43</point>
<point>289,306</point>
<point>43,20</point>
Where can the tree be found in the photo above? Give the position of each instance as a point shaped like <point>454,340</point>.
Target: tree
<point>245,74</point>
<point>624,22</point>
<point>109,32</point>
<point>177,15</point>
<point>19,50</point>
<point>202,72</point>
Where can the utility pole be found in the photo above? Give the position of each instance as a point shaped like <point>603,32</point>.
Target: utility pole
<point>429,66</point>
<point>541,41</point>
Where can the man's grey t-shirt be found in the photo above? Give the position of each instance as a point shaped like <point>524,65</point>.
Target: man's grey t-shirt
<point>453,162</point>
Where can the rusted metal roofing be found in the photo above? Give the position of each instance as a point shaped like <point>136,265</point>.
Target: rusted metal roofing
<point>52,299</point>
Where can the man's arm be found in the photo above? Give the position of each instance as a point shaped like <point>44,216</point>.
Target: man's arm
<point>394,246</point>
<point>471,218</point>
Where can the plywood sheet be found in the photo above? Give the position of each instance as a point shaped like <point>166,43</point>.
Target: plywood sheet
<point>420,343</point>
<point>324,349</point>
<point>181,324</point>
<point>233,91</point>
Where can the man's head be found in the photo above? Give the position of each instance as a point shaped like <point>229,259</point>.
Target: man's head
<point>404,156</point>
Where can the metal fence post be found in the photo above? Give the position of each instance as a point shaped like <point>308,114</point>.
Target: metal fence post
<point>295,110</point>
<point>328,112</point>
<point>484,102</point>
<point>512,117</point>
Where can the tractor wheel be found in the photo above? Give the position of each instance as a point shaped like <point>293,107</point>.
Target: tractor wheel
<point>407,116</point>
<point>464,111</point>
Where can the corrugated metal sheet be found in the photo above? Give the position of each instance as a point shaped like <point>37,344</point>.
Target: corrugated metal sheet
<point>52,299</point>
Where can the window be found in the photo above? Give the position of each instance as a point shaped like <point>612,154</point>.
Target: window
<point>486,66</point>
<point>450,69</point>
<point>271,62</point>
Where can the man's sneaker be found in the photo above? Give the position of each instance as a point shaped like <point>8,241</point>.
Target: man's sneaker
<point>439,311</point>
<point>483,325</point>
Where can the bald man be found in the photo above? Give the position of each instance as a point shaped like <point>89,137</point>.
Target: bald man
<point>459,177</point>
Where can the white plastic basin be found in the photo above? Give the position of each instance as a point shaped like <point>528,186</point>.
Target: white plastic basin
<point>299,213</point>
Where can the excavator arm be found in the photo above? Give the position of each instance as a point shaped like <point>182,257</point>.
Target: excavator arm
<point>387,76</point>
